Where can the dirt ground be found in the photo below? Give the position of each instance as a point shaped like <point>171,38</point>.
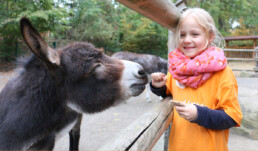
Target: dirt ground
<point>107,124</point>
<point>238,66</point>
<point>98,129</point>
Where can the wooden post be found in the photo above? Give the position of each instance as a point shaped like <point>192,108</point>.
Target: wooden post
<point>256,60</point>
<point>163,12</point>
<point>143,133</point>
<point>254,45</point>
<point>180,4</point>
<point>166,14</point>
<point>171,46</point>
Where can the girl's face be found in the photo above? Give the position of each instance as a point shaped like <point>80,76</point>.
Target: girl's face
<point>193,39</point>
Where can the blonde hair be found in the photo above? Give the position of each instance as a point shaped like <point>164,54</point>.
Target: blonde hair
<point>205,20</point>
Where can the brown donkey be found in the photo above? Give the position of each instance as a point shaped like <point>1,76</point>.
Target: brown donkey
<point>56,86</point>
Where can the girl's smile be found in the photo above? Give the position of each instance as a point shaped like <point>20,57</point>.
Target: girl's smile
<point>189,48</point>
<point>193,39</point>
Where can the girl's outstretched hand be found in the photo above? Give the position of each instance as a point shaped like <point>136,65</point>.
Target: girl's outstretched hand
<point>187,111</point>
<point>158,79</point>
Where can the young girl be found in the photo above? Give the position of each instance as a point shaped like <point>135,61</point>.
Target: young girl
<point>199,76</point>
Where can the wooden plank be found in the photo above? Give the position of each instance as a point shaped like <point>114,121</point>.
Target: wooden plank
<point>163,12</point>
<point>253,37</point>
<point>235,69</point>
<point>143,133</point>
<point>240,59</point>
<point>242,50</point>
<point>256,60</point>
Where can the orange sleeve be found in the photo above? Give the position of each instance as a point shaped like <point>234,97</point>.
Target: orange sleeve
<point>169,84</point>
<point>228,97</point>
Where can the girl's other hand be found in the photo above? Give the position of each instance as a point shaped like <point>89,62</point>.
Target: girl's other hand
<point>158,79</point>
<point>188,111</point>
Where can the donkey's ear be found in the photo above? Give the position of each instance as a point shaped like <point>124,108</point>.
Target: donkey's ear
<point>37,44</point>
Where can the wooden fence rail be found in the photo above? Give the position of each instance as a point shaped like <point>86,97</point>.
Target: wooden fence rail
<point>166,13</point>
<point>143,133</point>
<point>254,58</point>
<point>255,50</point>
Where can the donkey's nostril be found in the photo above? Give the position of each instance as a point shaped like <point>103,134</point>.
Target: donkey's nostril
<point>142,72</point>
<point>143,75</point>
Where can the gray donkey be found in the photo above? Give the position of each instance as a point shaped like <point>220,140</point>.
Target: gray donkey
<point>56,86</point>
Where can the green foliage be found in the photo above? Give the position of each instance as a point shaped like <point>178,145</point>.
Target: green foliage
<point>228,12</point>
<point>41,13</point>
<point>109,24</point>
<point>140,34</point>
<point>94,21</point>
<point>116,27</point>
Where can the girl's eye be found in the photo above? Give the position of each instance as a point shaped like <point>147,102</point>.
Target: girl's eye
<point>182,35</point>
<point>195,34</point>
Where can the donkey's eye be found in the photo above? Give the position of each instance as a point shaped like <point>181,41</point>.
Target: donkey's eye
<point>92,70</point>
<point>95,67</point>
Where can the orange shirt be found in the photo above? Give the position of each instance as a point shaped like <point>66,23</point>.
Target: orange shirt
<point>218,92</point>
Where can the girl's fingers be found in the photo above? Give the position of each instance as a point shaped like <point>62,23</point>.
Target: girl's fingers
<point>180,113</point>
<point>158,79</point>
<point>188,112</point>
<point>180,108</point>
<point>158,76</point>
<point>183,116</point>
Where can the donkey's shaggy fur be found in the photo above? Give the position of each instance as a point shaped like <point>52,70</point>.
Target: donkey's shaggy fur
<point>56,86</point>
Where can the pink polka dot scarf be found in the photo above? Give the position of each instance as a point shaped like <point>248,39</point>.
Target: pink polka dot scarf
<point>196,71</point>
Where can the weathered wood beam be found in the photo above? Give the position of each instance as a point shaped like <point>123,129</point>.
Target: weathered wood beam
<point>181,6</point>
<point>163,12</point>
<point>143,133</point>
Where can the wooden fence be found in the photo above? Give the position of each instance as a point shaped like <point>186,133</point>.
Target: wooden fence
<point>251,58</point>
<point>143,133</point>
<point>146,131</point>
<point>241,58</point>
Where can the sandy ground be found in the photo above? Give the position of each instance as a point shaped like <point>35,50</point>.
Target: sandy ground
<point>97,129</point>
<point>241,65</point>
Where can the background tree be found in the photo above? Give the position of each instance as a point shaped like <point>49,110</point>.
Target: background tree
<point>42,13</point>
<point>229,13</point>
<point>94,21</point>
<point>109,24</point>
<point>139,34</point>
